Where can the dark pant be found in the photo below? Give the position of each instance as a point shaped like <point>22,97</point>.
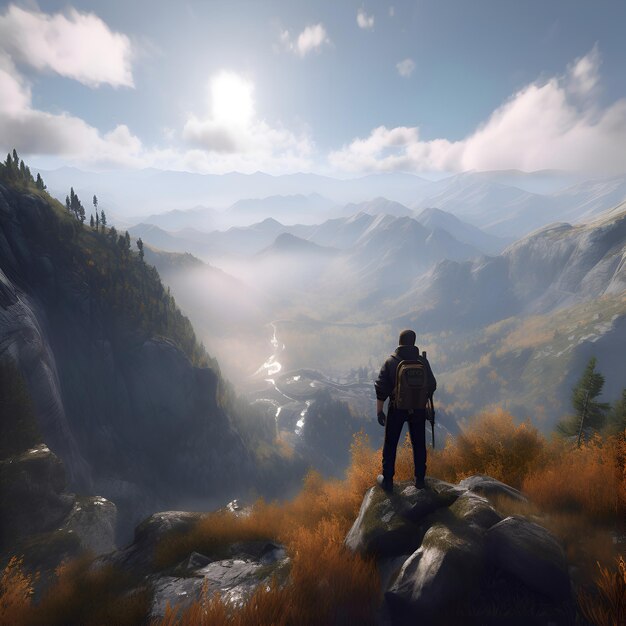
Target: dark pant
<point>393,430</point>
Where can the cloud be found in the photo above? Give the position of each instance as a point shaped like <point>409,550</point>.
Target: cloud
<point>231,136</point>
<point>392,11</point>
<point>311,39</point>
<point>405,68</point>
<point>364,20</point>
<point>557,123</point>
<point>76,45</point>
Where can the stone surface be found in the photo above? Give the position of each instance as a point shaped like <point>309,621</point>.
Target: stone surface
<point>446,556</point>
<point>93,520</point>
<point>390,524</point>
<point>138,557</point>
<point>531,554</point>
<point>234,579</point>
<point>32,499</point>
<point>443,571</point>
<point>485,485</point>
<point>475,509</point>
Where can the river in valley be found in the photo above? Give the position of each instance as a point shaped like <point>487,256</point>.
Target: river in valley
<point>288,394</point>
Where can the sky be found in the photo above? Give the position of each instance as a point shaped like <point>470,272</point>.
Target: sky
<point>335,87</point>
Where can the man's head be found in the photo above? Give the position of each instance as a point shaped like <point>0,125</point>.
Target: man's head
<point>407,338</point>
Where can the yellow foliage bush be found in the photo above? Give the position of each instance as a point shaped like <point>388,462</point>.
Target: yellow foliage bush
<point>16,590</point>
<point>590,479</point>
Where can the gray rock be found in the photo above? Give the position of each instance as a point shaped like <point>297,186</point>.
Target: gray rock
<point>138,557</point>
<point>440,573</point>
<point>389,524</point>
<point>32,500</point>
<point>487,486</point>
<point>531,554</point>
<point>475,509</point>
<point>93,520</point>
<point>234,579</point>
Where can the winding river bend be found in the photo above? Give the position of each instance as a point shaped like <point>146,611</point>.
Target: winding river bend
<point>288,394</point>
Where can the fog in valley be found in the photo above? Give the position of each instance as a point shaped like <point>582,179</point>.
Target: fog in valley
<point>297,293</point>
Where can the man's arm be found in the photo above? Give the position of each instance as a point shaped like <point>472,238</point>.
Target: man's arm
<point>383,386</point>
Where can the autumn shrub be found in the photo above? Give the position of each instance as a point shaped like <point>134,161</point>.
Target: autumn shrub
<point>327,585</point>
<point>493,444</point>
<point>606,604</point>
<point>590,479</point>
<point>16,590</point>
<point>318,500</point>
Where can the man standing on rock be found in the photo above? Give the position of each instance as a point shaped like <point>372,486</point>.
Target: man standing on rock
<point>408,381</point>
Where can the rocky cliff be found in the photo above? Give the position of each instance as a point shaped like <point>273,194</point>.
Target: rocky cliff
<point>123,393</point>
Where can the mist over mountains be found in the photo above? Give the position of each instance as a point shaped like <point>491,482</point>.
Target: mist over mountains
<point>471,294</point>
<point>505,203</point>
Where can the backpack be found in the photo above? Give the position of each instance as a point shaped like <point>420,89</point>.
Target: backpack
<point>411,390</point>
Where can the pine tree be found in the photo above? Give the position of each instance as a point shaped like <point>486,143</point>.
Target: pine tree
<point>103,219</point>
<point>588,412</point>
<point>91,222</point>
<point>39,182</point>
<point>113,234</point>
<point>95,206</point>
<point>140,247</point>
<point>68,205</point>
<point>127,241</point>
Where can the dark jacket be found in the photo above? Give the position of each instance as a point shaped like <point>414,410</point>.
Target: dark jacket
<point>386,381</point>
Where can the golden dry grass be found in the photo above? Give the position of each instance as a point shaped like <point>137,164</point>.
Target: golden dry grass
<point>327,585</point>
<point>575,492</point>
<point>16,592</point>
<point>78,595</point>
<point>606,606</point>
<point>590,479</point>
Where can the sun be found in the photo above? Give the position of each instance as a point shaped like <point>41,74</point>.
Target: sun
<point>231,99</point>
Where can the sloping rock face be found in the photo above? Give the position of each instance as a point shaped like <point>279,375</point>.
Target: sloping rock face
<point>235,579</point>
<point>41,521</point>
<point>234,573</point>
<point>128,413</point>
<point>446,556</point>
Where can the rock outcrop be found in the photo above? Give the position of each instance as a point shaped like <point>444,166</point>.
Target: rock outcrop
<point>234,571</point>
<point>117,399</point>
<point>445,555</point>
<point>43,523</point>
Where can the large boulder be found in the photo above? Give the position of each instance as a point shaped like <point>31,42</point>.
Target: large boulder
<point>475,509</point>
<point>139,556</point>
<point>235,579</point>
<point>93,519</point>
<point>443,571</point>
<point>488,486</point>
<point>531,554</point>
<point>33,500</point>
<point>390,524</point>
<point>445,555</point>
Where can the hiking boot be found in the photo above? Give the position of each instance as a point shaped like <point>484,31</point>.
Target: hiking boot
<point>419,483</point>
<point>386,484</point>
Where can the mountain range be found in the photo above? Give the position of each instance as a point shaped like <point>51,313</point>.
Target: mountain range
<point>508,204</point>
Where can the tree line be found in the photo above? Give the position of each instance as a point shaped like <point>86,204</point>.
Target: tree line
<point>15,171</point>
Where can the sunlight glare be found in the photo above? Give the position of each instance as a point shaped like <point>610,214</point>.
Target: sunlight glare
<point>231,98</point>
